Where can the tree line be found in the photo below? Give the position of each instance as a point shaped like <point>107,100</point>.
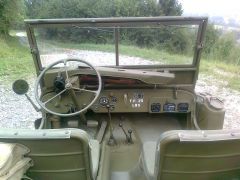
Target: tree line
<point>218,45</point>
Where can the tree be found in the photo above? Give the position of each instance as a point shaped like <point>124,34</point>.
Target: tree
<point>34,7</point>
<point>211,38</point>
<point>111,8</point>
<point>101,8</point>
<point>225,45</point>
<point>11,12</point>
<point>170,7</point>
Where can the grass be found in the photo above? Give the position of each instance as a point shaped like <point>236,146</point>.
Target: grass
<point>16,61</point>
<point>222,72</point>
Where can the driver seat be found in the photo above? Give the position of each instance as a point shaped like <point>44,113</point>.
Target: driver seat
<point>60,154</point>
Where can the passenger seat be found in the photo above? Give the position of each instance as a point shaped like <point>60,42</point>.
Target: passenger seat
<point>193,155</point>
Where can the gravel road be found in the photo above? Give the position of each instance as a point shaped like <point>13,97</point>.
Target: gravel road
<point>17,112</point>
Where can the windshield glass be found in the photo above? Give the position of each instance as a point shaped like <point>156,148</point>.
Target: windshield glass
<point>146,45</point>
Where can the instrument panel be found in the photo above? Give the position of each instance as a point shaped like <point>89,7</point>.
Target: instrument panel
<point>127,101</point>
<point>145,100</point>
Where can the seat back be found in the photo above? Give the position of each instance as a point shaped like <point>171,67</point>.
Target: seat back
<point>60,154</point>
<point>212,154</point>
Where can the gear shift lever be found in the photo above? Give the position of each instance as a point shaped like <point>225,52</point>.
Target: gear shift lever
<point>128,137</point>
<point>111,140</point>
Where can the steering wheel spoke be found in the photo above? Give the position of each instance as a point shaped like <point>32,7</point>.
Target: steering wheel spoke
<point>54,97</point>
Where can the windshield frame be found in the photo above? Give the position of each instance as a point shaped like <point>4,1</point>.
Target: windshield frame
<point>201,22</point>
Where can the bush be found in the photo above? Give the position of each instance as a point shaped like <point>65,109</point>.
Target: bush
<point>221,46</point>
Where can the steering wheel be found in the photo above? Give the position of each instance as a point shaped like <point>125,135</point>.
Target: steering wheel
<point>68,87</point>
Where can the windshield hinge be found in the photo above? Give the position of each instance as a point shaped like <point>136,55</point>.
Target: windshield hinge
<point>34,51</point>
<point>199,46</point>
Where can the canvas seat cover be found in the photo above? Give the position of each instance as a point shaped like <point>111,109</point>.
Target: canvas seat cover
<point>13,164</point>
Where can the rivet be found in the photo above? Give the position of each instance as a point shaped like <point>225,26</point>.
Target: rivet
<point>203,133</point>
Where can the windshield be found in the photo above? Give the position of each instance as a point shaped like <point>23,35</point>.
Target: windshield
<point>112,46</point>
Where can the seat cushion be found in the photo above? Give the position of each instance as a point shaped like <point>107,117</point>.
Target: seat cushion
<point>149,158</point>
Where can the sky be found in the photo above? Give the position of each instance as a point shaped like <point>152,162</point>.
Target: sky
<point>229,8</point>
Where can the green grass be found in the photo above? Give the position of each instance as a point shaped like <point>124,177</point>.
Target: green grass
<point>222,72</point>
<point>15,59</point>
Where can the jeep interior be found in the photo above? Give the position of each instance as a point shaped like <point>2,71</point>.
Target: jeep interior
<point>108,113</point>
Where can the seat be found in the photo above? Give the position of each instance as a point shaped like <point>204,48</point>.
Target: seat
<point>60,154</point>
<point>13,164</point>
<point>193,155</point>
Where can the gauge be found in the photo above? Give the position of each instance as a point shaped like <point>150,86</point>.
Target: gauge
<point>155,107</point>
<point>114,99</point>
<point>103,101</point>
<point>169,107</point>
<point>138,95</point>
<point>183,107</point>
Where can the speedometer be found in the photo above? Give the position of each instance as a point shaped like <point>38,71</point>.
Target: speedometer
<point>103,101</point>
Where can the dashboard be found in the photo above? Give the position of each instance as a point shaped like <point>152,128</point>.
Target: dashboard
<point>127,101</point>
<point>119,95</point>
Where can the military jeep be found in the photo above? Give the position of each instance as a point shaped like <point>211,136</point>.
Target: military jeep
<point>118,102</point>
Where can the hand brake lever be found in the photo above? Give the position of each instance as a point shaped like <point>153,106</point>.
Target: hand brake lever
<point>128,137</point>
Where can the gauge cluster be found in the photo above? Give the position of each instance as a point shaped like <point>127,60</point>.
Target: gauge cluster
<point>146,100</point>
<point>169,105</point>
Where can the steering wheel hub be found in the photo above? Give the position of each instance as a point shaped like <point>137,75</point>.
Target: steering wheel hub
<point>68,85</point>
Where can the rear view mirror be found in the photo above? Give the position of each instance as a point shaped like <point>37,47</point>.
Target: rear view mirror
<point>20,87</point>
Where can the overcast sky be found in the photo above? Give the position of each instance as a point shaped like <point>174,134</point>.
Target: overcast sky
<point>230,8</point>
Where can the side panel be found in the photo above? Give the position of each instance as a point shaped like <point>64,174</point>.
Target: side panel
<point>210,113</point>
